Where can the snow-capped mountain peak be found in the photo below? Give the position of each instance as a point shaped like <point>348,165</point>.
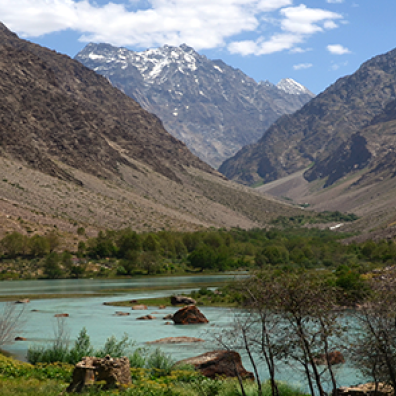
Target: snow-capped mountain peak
<point>151,63</point>
<point>293,87</point>
<point>214,108</point>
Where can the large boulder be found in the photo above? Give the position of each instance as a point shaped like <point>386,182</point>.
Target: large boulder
<point>189,315</point>
<point>219,363</point>
<point>182,300</point>
<point>113,372</point>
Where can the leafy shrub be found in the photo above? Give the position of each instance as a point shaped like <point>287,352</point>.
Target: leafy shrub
<point>59,351</point>
<point>159,363</point>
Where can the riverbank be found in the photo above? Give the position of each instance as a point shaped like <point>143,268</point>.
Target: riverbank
<point>203,297</point>
<point>88,288</point>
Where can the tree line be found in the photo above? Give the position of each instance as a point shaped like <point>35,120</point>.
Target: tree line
<point>125,252</point>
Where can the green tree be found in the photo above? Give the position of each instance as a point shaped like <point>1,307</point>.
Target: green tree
<point>67,259</point>
<point>273,255</point>
<point>53,240</point>
<point>77,271</point>
<point>150,243</point>
<point>51,266</point>
<point>14,244</point>
<point>39,246</point>
<point>149,261</point>
<point>180,247</point>
<point>80,231</point>
<point>192,240</point>
<point>203,257</point>
<point>131,262</point>
<point>128,241</point>
<point>81,249</point>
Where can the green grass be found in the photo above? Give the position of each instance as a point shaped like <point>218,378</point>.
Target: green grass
<point>208,299</point>
<point>154,302</point>
<point>23,379</point>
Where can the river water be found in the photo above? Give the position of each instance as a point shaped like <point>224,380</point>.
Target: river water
<point>101,322</point>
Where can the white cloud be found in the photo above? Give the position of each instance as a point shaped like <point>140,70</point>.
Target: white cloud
<point>297,25</point>
<point>304,20</point>
<point>272,5</point>
<point>301,66</point>
<point>335,1</point>
<point>299,50</point>
<point>338,49</point>
<point>202,24</point>
<point>330,25</point>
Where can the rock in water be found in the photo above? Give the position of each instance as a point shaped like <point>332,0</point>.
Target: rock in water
<point>219,363</point>
<point>189,315</point>
<point>146,317</point>
<point>139,307</point>
<point>121,313</point>
<point>182,300</point>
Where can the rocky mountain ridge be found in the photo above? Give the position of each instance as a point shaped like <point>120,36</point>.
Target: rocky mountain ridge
<point>212,107</point>
<point>324,134</point>
<point>75,150</point>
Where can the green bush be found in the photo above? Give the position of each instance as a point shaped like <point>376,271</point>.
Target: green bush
<point>159,363</point>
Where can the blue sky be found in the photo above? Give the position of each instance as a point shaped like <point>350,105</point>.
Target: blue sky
<point>314,42</point>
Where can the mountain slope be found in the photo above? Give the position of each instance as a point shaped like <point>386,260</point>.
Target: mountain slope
<point>75,150</point>
<point>312,135</point>
<point>210,106</point>
<point>358,178</point>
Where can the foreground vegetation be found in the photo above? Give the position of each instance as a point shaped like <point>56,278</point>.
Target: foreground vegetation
<point>23,379</point>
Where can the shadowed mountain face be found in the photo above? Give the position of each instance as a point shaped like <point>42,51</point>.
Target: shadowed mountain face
<point>323,132</point>
<point>54,109</point>
<point>371,149</point>
<point>76,150</point>
<point>212,107</point>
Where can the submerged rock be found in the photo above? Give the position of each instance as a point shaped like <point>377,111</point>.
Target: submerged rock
<point>146,317</point>
<point>121,313</point>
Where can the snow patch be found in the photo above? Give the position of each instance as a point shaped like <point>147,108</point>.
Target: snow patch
<point>293,87</point>
<point>95,56</point>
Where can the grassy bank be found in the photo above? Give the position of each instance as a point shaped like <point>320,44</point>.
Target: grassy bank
<point>204,297</point>
<point>23,379</point>
<point>106,293</point>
